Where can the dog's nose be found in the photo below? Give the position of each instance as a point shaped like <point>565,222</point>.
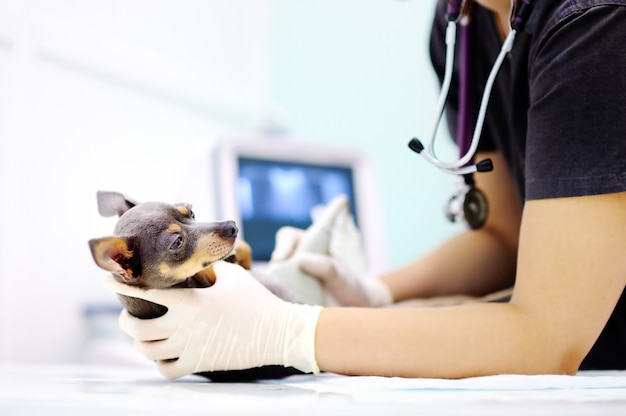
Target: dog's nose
<point>227,229</point>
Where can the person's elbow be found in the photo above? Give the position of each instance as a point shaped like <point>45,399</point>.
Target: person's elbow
<point>568,362</point>
<point>547,347</point>
<point>560,354</point>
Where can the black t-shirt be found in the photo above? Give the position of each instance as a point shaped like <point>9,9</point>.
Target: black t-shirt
<point>557,111</point>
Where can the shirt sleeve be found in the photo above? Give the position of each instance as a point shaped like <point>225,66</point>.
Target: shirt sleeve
<point>576,138</point>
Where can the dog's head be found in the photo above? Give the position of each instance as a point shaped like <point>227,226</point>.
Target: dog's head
<point>159,245</point>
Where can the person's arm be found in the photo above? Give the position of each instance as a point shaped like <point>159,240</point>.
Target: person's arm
<point>473,262</point>
<point>570,274</point>
<point>472,266</point>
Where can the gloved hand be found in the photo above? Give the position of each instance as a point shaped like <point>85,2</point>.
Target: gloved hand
<point>233,325</point>
<point>343,270</point>
<point>342,285</point>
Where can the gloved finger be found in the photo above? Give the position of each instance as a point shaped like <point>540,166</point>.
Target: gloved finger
<point>345,228</point>
<point>277,287</point>
<point>148,329</point>
<point>326,216</point>
<point>319,266</point>
<point>228,272</point>
<point>156,350</point>
<point>173,369</point>
<point>223,267</point>
<point>185,364</point>
<point>286,240</point>
<point>229,276</point>
<point>346,244</point>
<point>166,298</point>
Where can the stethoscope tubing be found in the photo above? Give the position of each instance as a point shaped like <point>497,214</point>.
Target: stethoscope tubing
<point>474,208</point>
<point>461,167</point>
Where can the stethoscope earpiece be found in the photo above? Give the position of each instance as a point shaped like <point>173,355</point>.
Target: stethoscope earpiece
<point>416,145</point>
<point>485,165</point>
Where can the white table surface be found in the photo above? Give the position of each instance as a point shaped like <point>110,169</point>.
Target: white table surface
<point>96,390</point>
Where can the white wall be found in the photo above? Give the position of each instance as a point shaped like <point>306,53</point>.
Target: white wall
<point>116,95</point>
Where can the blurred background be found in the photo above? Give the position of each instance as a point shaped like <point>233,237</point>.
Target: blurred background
<point>130,95</point>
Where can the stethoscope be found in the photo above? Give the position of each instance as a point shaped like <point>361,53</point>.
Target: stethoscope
<point>468,204</point>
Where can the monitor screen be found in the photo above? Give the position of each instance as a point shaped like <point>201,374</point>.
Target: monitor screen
<point>267,183</point>
<point>273,193</point>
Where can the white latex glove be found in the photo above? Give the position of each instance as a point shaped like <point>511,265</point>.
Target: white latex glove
<point>233,325</point>
<point>343,269</point>
<point>342,285</point>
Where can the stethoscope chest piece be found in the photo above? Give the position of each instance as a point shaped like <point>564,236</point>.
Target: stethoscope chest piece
<point>468,205</point>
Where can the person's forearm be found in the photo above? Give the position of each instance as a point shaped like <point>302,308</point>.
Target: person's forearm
<point>462,341</point>
<point>472,263</point>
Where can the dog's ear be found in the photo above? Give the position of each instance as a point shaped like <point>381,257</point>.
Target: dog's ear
<point>185,210</point>
<point>113,203</point>
<point>116,255</point>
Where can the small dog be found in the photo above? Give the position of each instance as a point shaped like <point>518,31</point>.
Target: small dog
<point>158,245</point>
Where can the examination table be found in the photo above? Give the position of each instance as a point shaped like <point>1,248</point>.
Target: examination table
<point>118,391</point>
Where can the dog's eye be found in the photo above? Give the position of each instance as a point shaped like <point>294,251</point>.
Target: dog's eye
<point>178,243</point>
<point>192,215</point>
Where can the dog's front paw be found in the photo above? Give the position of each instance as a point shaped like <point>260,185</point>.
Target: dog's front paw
<point>243,254</point>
